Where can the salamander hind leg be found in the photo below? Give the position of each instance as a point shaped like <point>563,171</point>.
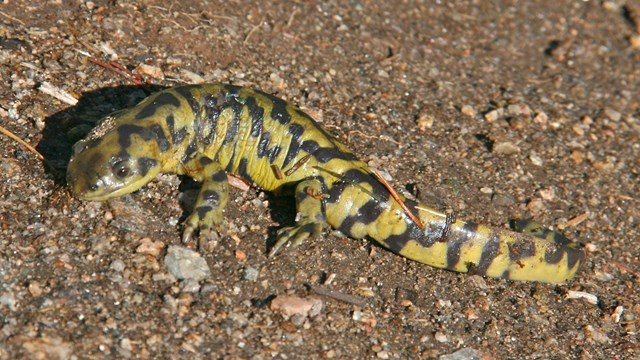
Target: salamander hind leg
<point>310,217</point>
<point>207,215</point>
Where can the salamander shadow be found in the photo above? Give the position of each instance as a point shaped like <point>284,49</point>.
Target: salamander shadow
<point>67,126</point>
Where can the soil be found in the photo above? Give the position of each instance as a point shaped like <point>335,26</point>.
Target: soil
<point>497,110</point>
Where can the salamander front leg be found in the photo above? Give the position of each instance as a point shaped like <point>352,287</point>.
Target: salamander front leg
<point>310,217</point>
<point>207,214</point>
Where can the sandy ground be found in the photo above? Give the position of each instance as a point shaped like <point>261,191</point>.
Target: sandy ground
<point>497,110</point>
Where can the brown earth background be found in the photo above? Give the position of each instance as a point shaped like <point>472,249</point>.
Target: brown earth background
<point>496,109</point>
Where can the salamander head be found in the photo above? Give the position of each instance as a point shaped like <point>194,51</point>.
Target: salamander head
<point>101,168</point>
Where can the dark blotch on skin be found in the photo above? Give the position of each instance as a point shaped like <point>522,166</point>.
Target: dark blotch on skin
<point>213,106</point>
<point>456,240</point>
<point>296,132</point>
<point>325,154</point>
<point>559,238</point>
<point>453,251</point>
<point>257,116</point>
<point>234,127</point>
<point>145,164</point>
<point>203,211</point>
<point>84,175</point>
<point>164,98</point>
<point>279,111</point>
<point>574,256</point>
<point>177,136</point>
<point>553,255</point>
<point>489,253</point>
<point>232,160</point>
<point>219,176</point>
<point>126,131</point>
<point>155,132</point>
<point>522,249</point>
<point>160,137</point>
<point>204,161</point>
<point>211,196</point>
<point>263,148</point>
<point>186,93</point>
<point>366,214</point>
<point>397,242</point>
<point>243,172</point>
<point>189,151</point>
<point>307,229</point>
<point>356,176</point>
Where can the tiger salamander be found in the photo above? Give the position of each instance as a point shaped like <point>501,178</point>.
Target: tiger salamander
<point>209,131</point>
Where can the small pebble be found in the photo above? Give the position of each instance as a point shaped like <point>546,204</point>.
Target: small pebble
<point>603,276</point>
<point>190,286</point>
<point>8,168</point>
<point>535,206</point>
<point>117,265</point>
<point>596,335</point>
<point>634,41</point>
<point>477,281</point>
<point>151,71</point>
<point>518,109</point>
<point>471,314</point>
<point>486,190</point>
<point>492,115</point>
<point>441,337</point>
<point>463,354</point>
<point>425,121</point>
<point>250,274</point>
<point>8,299</point>
<point>535,159</point>
<point>541,118</point>
<point>191,77</point>
<point>617,313</point>
<point>547,194</point>
<point>241,255</point>
<point>590,298</point>
<point>150,247</point>
<point>185,264</point>
<point>612,114</point>
<point>290,305</point>
<point>468,111</point>
<point>506,148</point>
<point>35,289</point>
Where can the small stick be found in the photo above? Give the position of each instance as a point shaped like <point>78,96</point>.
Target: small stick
<point>12,18</point>
<point>119,69</point>
<point>340,296</point>
<point>21,142</point>
<point>238,182</point>
<point>277,172</point>
<point>298,164</point>
<point>137,79</point>
<point>50,89</point>
<point>253,29</point>
<point>399,200</point>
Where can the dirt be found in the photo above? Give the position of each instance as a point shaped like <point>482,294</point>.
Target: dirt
<point>497,110</point>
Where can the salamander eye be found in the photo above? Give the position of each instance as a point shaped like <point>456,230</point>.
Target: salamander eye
<point>121,170</point>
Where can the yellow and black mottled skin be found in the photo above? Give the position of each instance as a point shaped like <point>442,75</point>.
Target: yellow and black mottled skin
<point>206,131</point>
